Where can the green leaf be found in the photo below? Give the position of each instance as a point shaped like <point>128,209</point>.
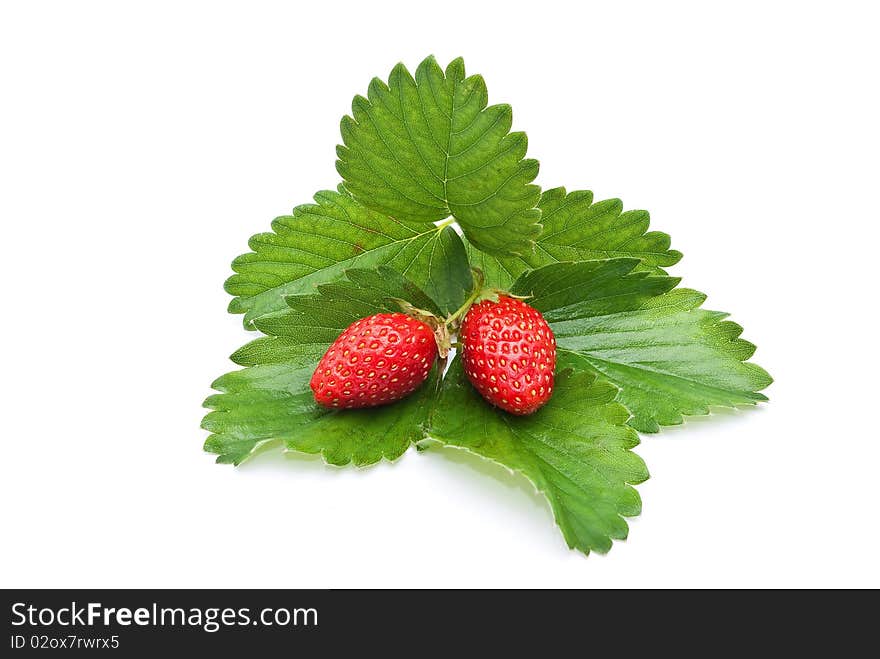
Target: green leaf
<point>578,229</point>
<point>319,241</point>
<point>315,321</point>
<point>576,450</point>
<point>447,277</point>
<point>428,147</point>
<point>270,403</point>
<point>668,356</point>
<point>270,400</point>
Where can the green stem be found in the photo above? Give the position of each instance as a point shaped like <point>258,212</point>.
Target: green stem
<point>478,288</point>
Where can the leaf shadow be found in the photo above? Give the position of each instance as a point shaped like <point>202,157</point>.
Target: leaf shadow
<point>722,417</point>
<point>516,493</point>
<point>272,456</point>
<point>514,483</point>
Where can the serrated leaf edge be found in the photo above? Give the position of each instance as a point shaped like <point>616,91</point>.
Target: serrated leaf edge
<point>429,437</point>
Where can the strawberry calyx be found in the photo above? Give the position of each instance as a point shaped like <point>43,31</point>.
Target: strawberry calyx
<point>479,294</point>
<point>445,328</point>
<point>439,328</point>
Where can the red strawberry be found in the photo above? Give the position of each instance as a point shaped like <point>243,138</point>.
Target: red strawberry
<point>509,354</point>
<point>376,360</point>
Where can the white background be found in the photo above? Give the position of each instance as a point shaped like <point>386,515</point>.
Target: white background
<point>141,144</point>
